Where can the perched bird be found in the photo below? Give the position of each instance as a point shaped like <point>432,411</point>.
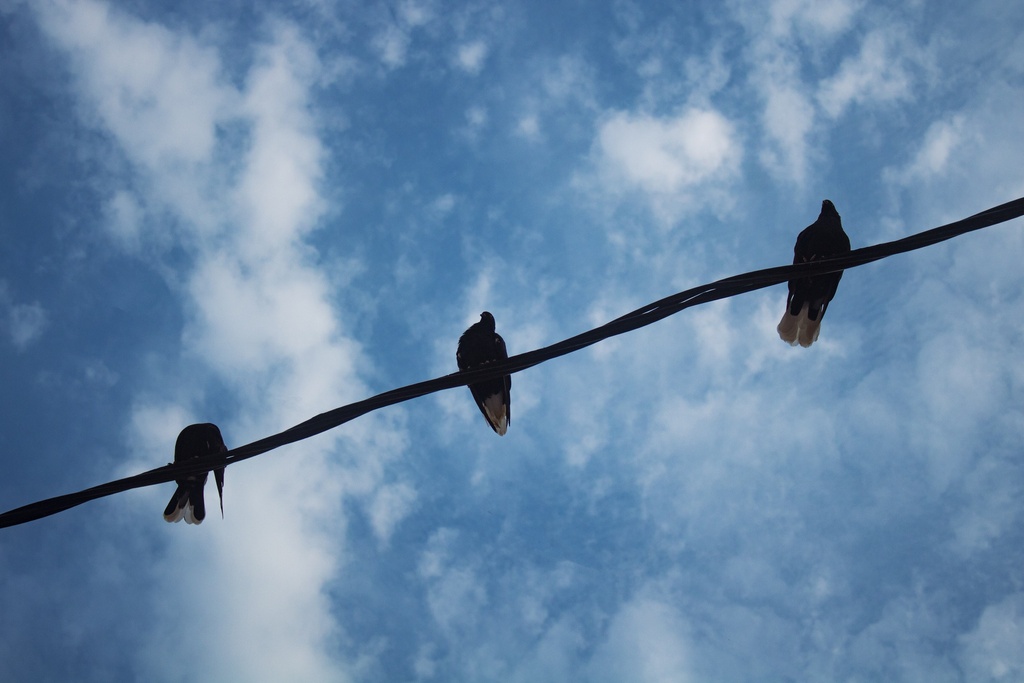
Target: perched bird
<point>187,502</point>
<point>480,345</point>
<point>809,296</point>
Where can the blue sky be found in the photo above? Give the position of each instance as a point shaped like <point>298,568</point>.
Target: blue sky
<point>249,214</point>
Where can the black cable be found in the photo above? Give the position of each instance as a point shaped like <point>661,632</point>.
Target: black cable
<point>646,315</point>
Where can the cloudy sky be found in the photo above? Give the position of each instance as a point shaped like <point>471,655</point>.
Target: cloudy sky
<point>251,214</point>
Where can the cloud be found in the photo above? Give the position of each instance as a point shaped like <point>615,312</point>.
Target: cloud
<point>813,21</point>
<point>124,219</point>
<point>788,118</point>
<point>391,504</point>
<point>647,640</point>
<point>470,56</point>
<point>260,322</point>
<point>990,651</point>
<point>415,12</point>
<point>456,595</point>
<point>965,153</point>
<point>569,79</point>
<point>393,41</point>
<point>528,127</point>
<point>476,118</point>
<point>278,198</point>
<point>934,153</point>
<point>23,323</point>
<point>878,74</point>
<point>443,204</point>
<point>139,99</point>
<point>788,115</point>
<point>667,155</point>
<point>557,93</point>
<point>668,159</point>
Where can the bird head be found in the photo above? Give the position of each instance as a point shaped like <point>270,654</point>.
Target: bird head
<point>487,319</point>
<point>828,208</point>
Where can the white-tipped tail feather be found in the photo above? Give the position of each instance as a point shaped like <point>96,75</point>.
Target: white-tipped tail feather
<point>187,504</point>
<point>176,516</point>
<point>799,329</point>
<point>190,515</point>
<point>183,510</point>
<point>494,408</point>
<point>175,510</point>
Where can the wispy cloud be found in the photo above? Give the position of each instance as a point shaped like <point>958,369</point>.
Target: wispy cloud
<point>878,74</point>
<point>23,323</point>
<point>673,161</point>
<point>470,56</point>
<point>260,317</point>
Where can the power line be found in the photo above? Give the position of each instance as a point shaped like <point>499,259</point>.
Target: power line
<point>641,317</point>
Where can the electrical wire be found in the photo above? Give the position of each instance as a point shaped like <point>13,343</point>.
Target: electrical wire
<point>641,317</point>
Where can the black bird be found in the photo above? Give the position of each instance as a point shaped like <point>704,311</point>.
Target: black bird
<point>480,345</point>
<point>187,502</point>
<point>809,296</point>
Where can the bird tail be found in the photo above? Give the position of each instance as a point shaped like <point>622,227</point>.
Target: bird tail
<point>809,332</point>
<point>789,327</point>
<point>799,328</point>
<point>496,413</point>
<point>195,511</point>
<point>175,510</point>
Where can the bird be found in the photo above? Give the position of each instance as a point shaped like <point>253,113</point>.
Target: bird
<point>478,346</point>
<point>809,296</point>
<point>195,441</point>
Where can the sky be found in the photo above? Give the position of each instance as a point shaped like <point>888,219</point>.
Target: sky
<point>251,213</point>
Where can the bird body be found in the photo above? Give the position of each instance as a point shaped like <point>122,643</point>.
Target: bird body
<point>809,296</point>
<point>479,345</point>
<point>195,441</point>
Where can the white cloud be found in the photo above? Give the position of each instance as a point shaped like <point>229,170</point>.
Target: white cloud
<point>528,127</point>
<point>260,318</point>
<point>933,155</point>
<point>393,41</point>
<point>568,79</point>
<point>443,204</point>
<point>455,593</point>
<point>991,489</point>
<point>786,39</point>
<point>966,157</point>
<point>813,20</point>
<point>391,504</point>
<point>136,76</point>
<point>878,74</point>
<point>24,323</point>
<point>775,31</point>
<point>476,120</point>
<point>789,119</point>
<point>671,160</point>
<point>991,651</point>
<point>470,56</point>
<point>647,640</point>
<point>393,44</point>
<point>415,12</point>
<point>668,155</point>
<point>278,196</point>
<point>124,219</point>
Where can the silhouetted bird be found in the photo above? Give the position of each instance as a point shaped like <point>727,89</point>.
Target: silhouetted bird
<point>480,345</point>
<point>187,502</point>
<point>809,296</point>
